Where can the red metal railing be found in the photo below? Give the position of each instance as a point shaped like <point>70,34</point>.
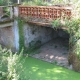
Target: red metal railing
<point>45,12</point>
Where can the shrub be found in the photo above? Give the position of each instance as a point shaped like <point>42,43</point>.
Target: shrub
<point>10,67</point>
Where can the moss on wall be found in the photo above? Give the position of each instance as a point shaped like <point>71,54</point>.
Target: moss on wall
<point>21,34</point>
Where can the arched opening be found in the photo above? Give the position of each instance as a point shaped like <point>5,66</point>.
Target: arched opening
<point>56,49</point>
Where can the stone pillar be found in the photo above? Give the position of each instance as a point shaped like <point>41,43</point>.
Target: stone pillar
<point>16,11</point>
<point>16,35</point>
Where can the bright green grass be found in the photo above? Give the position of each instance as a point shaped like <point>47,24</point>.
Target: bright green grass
<point>35,69</point>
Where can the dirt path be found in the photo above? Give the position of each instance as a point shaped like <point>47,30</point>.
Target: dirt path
<point>55,51</point>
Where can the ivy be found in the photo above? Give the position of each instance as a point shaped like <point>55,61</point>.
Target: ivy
<point>21,34</point>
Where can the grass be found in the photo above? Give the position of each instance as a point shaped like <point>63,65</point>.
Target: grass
<point>35,69</point>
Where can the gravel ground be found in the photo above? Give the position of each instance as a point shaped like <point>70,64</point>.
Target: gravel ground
<point>54,51</point>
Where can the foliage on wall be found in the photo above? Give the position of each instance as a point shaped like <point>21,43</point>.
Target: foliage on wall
<point>72,26</point>
<point>21,34</point>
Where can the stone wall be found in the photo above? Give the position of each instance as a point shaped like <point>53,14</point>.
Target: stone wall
<point>7,37</point>
<point>33,34</point>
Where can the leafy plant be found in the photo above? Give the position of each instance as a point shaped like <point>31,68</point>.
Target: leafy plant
<point>4,2</point>
<point>56,23</point>
<point>3,64</point>
<point>10,67</point>
<point>73,28</point>
<point>21,34</point>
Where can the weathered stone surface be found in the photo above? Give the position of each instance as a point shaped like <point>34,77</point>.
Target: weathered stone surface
<point>33,33</point>
<point>7,37</point>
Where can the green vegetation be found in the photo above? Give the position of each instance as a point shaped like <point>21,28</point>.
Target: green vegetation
<point>17,67</point>
<point>5,2</point>
<point>10,66</point>
<point>38,70</point>
<point>49,2</point>
<point>1,2</point>
<point>72,26</point>
<point>6,11</point>
<point>21,34</point>
<point>35,2</point>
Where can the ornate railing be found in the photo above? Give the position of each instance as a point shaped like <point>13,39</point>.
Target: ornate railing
<point>45,12</point>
